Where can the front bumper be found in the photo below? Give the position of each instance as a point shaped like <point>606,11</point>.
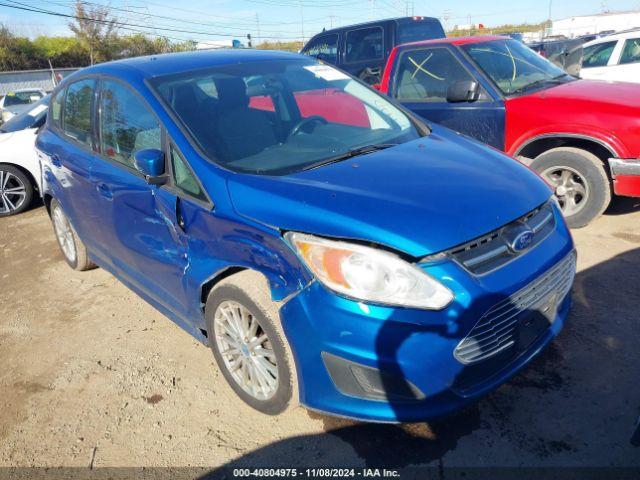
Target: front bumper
<point>413,350</point>
<point>626,176</point>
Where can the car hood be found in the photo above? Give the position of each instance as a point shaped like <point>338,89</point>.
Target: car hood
<point>420,197</point>
<point>621,94</point>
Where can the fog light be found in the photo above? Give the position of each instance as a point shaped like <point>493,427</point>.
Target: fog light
<point>361,381</point>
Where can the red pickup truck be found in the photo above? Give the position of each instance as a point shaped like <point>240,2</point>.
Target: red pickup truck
<point>582,136</point>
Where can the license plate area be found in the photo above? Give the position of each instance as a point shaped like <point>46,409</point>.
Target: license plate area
<point>533,323</point>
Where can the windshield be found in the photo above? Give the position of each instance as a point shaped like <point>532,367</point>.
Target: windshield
<point>34,117</point>
<point>22,98</point>
<point>277,117</point>
<point>514,67</point>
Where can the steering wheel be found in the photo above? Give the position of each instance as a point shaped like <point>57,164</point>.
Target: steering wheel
<point>308,120</point>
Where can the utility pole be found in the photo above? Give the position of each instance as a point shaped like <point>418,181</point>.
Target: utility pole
<point>331,17</point>
<point>446,15</point>
<point>258,27</point>
<point>302,21</point>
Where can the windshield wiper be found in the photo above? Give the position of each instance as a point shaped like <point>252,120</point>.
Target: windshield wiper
<point>354,152</point>
<point>555,79</point>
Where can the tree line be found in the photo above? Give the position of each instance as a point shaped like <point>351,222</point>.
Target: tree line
<point>96,39</point>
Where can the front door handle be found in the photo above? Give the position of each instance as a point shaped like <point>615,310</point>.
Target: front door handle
<point>179,216</point>
<point>104,190</point>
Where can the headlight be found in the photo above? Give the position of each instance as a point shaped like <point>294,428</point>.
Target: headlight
<point>369,274</point>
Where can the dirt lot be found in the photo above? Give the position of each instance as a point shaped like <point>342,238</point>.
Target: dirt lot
<point>92,375</point>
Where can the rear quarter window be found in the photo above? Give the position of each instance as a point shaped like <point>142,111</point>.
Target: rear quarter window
<point>324,48</point>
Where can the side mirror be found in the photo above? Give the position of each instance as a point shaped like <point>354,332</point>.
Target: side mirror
<point>463,91</point>
<point>150,162</point>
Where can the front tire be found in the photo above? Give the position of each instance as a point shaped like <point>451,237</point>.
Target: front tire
<point>16,191</point>
<point>249,344</point>
<point>579,180</point>
<point>73,250</point>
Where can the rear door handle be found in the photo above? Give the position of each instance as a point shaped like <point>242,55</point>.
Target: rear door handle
<point>104,190</point>
<point>55,160</point>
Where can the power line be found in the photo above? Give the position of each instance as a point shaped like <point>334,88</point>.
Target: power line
<point>249,23</point>
<point>200,12</point>
<point>122,25</point>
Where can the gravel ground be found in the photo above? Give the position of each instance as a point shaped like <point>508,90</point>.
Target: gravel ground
<point>92,375</point>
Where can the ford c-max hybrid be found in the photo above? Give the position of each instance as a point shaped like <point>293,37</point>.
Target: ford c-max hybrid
<point>330,248</point>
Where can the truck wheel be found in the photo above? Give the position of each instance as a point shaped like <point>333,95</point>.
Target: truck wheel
<point>16,191</point>
<point>249,344</point>
<point>579,180</point>
<point>73,250</point>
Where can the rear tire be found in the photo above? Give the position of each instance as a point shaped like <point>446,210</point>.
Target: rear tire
<point>579,180</point>
<point>16,191</point>
<point>262,374</point>
<point>72,248</point>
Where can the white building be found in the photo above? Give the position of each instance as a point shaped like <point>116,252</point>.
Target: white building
<point>591,24</point>
<point>217,44</point>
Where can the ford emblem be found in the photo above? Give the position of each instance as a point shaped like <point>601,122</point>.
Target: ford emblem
<point>522,241</point>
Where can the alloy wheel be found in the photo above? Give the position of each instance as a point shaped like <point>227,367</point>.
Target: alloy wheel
<point>246,350</point>
<point>64,234</point>
<point>13,192</point>
<point>570,188</point>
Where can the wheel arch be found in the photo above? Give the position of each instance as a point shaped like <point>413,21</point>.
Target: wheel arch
<point>228,271</point>
<point>216,278</point>
<point>47,198</point>
<point>535,146</point>
<point>27,173</point>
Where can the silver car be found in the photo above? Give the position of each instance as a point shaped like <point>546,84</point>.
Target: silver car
<point>18,101</point>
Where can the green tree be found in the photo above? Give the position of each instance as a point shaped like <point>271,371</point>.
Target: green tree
<point>61,51</point>
<point>96,29</point>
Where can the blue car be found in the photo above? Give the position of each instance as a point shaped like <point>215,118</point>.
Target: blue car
<point>330,248</point>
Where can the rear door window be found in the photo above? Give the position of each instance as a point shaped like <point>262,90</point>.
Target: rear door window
<point>126,124</point>
<point>631,51</point>
<point>364,44</point>
<point>324,48</point>
<point>598,55</point>
<point>77,111</point>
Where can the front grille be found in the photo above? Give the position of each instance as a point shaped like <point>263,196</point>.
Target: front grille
<point>492,251</point>
<point>495,331</point>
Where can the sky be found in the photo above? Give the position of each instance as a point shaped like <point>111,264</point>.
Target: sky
<point>203,20</point>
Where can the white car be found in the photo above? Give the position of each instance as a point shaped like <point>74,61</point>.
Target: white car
<point>614,58</point>
<point>20,175</point>
<point>18,101</point>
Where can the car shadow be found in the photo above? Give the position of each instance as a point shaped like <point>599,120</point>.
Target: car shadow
<point>587,378</point>
<point>623,206</point>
